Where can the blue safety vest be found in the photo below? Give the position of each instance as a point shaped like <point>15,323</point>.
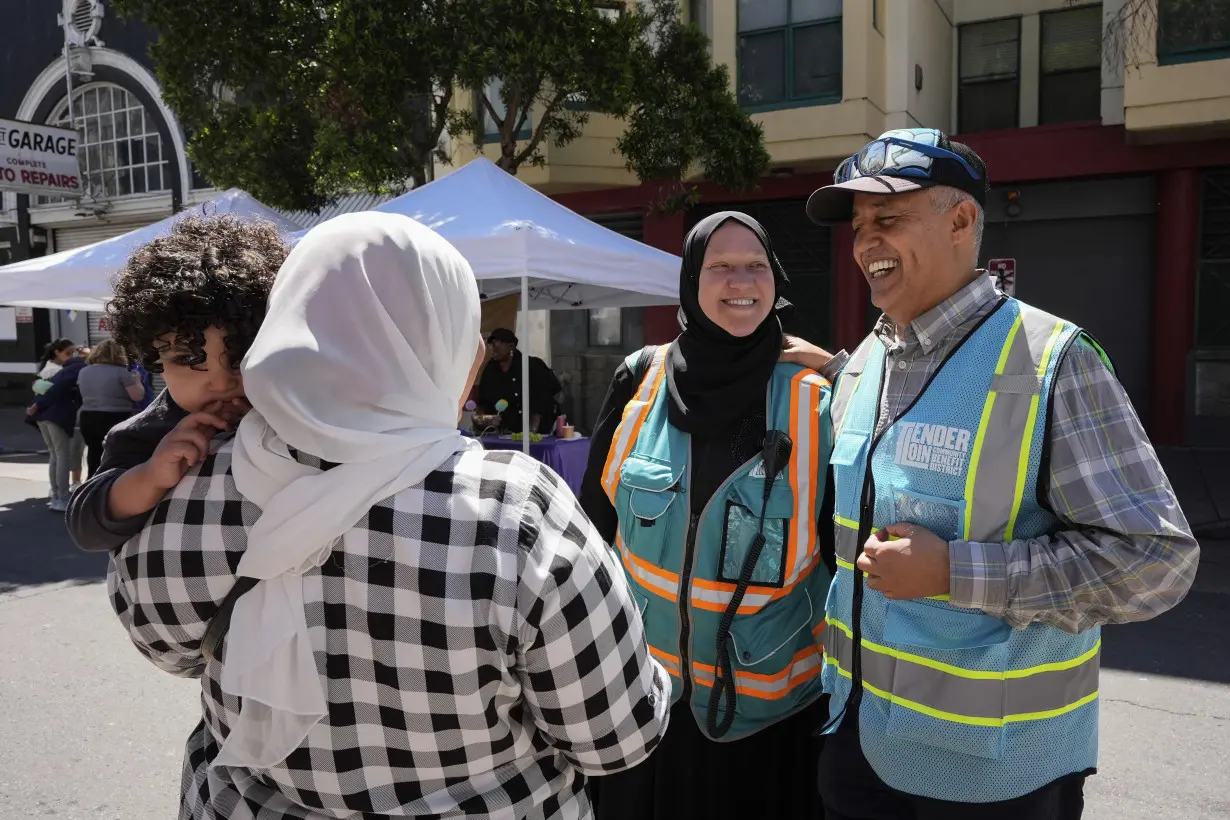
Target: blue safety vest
<point>956,704</point>
<point>685,570</point>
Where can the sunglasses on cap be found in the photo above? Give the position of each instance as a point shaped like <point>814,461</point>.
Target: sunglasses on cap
<point>908,155</point>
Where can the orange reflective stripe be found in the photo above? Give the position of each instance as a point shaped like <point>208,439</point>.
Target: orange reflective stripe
<point>669,662</point>
<point>805,391</point>
<point>715,595</point>
<point>804,666</point>
<point>655,579</point>
<point>631,422</point>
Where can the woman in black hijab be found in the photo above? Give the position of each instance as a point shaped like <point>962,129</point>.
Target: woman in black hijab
<point>725,754</point>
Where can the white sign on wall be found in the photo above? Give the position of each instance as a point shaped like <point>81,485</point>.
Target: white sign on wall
<point>8,324</point>
<point>39,159</point>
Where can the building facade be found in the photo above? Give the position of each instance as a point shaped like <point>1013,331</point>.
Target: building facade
<point>1105,127</point>
<point>1109,158</point>
<point>131,151</point>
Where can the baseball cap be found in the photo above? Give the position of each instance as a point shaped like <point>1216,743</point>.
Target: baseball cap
<point>502,334</point>
<point>897,162</point>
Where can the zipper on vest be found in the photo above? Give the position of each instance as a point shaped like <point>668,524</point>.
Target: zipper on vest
<point>688,569</point>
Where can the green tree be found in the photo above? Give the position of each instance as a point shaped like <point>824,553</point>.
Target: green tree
<point>299,101</point>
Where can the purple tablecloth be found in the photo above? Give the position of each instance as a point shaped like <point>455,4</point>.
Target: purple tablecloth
<point>565,456</point>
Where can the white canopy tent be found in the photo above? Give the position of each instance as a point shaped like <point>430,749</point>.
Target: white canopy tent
<point>80,279</point>
<point>508,232</point>
<point>517,239</point>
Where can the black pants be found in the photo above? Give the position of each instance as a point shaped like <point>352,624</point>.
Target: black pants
<point>853,791</point>
<point>95,424</point>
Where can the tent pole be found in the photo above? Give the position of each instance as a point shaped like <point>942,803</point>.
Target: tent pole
<point>525,368</point>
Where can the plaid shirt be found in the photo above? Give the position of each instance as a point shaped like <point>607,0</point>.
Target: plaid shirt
<point>481,650</point>
<point>1127,552</point>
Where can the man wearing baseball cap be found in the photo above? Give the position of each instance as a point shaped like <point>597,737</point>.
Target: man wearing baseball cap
<point>997,501</point>
<point>500,381</point>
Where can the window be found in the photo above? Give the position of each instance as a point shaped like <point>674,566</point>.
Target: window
<point>698,14</point>
<point>989,67</point>
<point>789,52</point>
<point>605,327</point>
<point>1070,88</point>
<point>491,129</point>
<point>119,149</point>
<point>1192,30</point>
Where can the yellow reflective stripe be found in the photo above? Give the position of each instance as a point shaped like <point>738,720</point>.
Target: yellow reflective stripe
<point>846,407</point>
<point>980,437</point>
<point>955,718</point>
<point>1022,465</point>
<point>974,674</point>
<point>845,522</point>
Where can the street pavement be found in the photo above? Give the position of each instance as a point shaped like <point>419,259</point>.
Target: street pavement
<point>90,731</point>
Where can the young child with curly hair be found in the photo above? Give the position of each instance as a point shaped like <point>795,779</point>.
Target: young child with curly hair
<point>187,305</point>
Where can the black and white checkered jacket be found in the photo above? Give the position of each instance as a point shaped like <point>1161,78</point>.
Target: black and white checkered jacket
<point>481,649</point>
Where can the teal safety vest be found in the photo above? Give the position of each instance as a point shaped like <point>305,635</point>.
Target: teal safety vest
<point>685,570</point>
<point>957,705</point>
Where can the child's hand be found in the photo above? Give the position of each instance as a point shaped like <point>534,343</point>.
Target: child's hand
<point>186,445</point>
<point>231,411</point>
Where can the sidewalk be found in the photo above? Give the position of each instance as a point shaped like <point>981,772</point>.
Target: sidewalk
<point>15,435</point>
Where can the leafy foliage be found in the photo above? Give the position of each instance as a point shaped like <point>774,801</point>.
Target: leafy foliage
<point>684,116</point>
<point>300,101</point>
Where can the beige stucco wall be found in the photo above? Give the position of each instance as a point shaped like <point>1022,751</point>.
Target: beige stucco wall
<point>919,34</point>
<point>1190,97</point>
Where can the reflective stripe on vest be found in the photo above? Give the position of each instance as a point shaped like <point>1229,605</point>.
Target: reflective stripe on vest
<point>630,423</point>
<point>967,696</point>
<point>805,665</point>
<point>995,481</point>
<point>805,399</point>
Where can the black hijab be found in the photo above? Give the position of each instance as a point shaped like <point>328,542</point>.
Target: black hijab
<point>714,378</point>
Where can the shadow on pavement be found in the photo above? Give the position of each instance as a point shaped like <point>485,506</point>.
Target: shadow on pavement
<point>1190,640</point>
<point>35,548</point>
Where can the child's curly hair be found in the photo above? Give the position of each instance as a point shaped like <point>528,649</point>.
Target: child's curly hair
<point>213,271</point>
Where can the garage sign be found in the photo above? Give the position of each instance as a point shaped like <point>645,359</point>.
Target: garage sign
<point>39,159</point>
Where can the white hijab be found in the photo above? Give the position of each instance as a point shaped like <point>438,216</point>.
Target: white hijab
<point>362,359</point>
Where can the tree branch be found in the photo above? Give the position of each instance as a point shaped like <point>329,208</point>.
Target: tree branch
<point>540,130</point>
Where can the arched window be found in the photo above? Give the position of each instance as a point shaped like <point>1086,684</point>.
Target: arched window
<point>119,149</point>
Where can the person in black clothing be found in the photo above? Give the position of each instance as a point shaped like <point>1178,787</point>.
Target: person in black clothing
<point>718,372</point>
<point>187,305</point>
<point>501,379</point>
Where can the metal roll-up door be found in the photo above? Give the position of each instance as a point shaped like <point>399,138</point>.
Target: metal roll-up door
<point>805,251</point>
<point>78,237</point>
<point>1211,369</point>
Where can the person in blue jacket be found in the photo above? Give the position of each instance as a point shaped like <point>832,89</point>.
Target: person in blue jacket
<point>707,473</point>
<point>55,413</point>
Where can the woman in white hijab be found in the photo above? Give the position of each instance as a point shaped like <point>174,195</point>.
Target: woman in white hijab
<point>422,627</point>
